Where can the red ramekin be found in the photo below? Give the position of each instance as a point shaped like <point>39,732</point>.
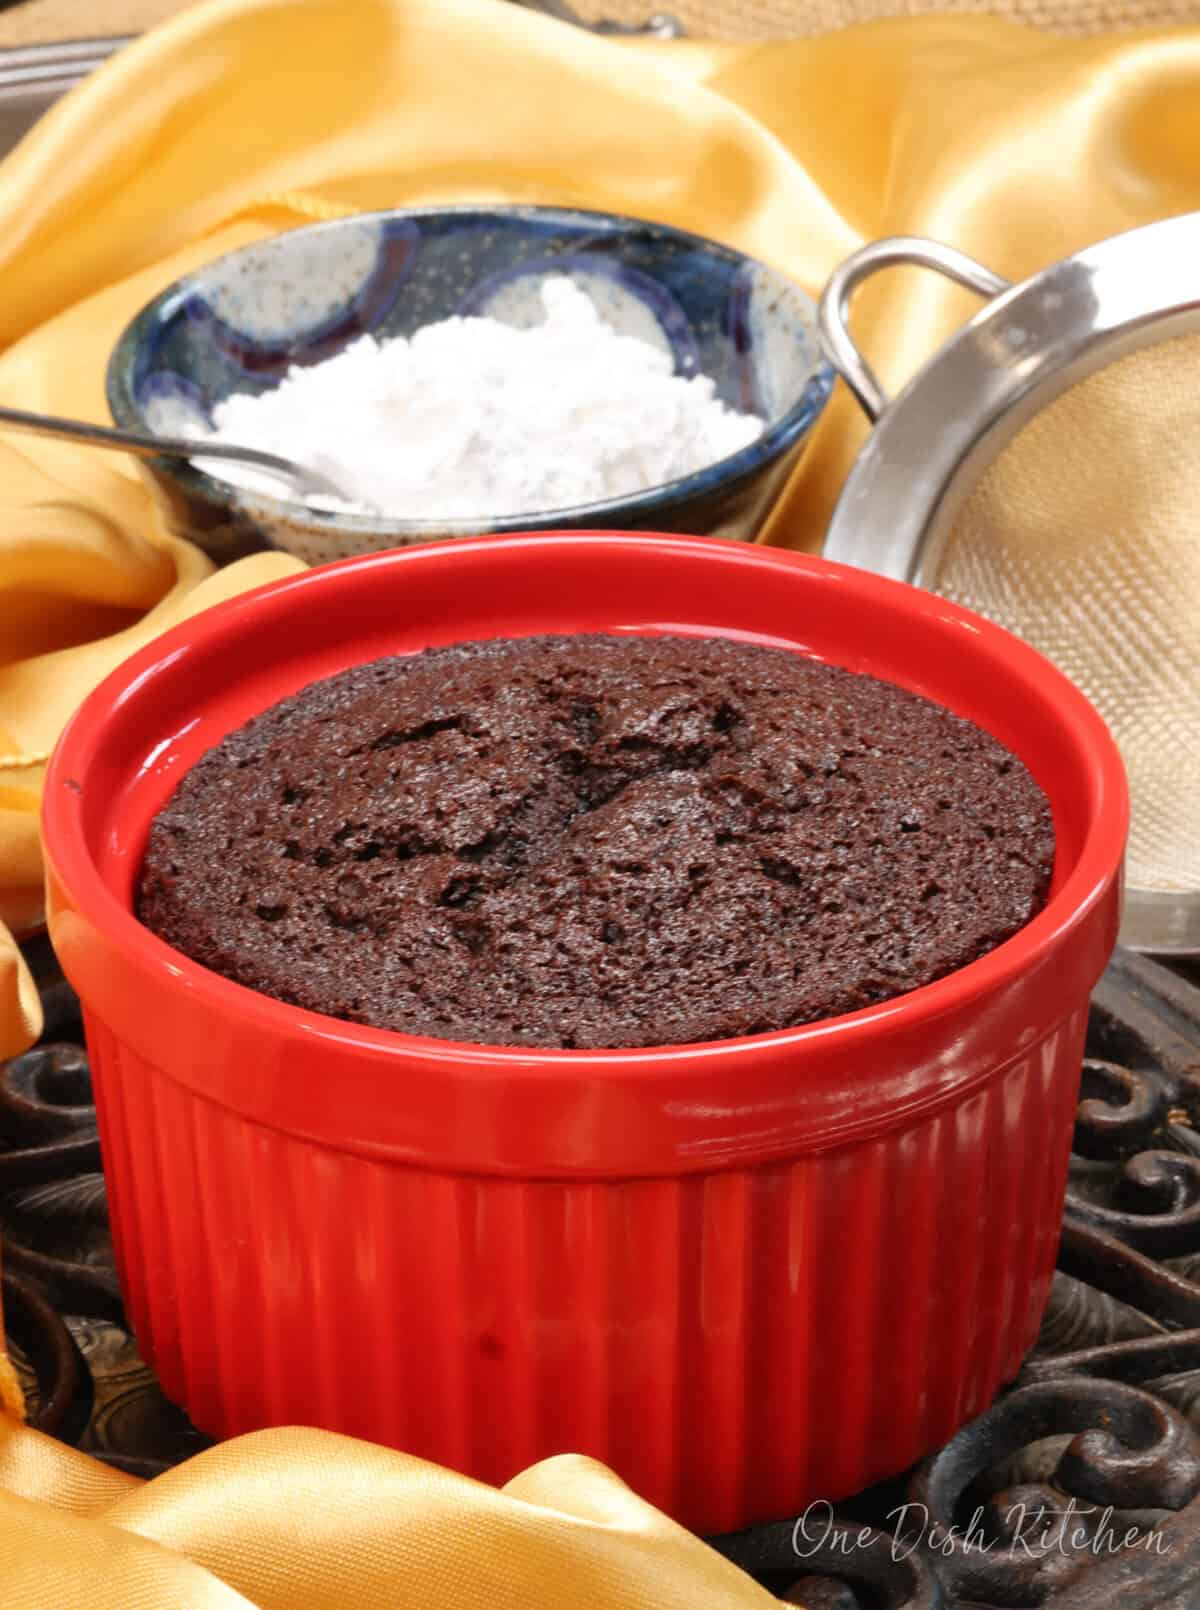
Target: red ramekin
<point>746,1274</point>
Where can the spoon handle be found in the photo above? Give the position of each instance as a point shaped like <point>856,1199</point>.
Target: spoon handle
<point>144,446</point>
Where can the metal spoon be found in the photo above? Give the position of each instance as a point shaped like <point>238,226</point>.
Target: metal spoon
<point>308,483</point>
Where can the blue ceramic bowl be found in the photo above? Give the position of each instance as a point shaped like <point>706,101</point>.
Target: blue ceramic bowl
<point>238,324</point>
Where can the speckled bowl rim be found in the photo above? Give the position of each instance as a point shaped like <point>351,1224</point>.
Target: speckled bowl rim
<point>774,442</point>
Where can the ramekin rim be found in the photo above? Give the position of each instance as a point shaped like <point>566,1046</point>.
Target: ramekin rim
<point>1097,864</point>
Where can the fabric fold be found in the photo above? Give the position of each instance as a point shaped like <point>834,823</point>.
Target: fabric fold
<point>305,1520</point>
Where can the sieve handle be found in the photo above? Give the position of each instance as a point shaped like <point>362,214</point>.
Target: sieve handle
<point>833,312</point>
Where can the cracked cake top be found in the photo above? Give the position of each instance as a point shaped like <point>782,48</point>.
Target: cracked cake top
<point>597,841</point>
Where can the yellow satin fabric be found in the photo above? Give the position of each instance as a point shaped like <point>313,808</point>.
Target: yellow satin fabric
<point>12,1402</point>
<point>247,116</point>
<point>304,1520</point>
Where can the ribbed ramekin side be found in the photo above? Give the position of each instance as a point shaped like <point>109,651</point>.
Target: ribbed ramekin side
<point>735,1344</point>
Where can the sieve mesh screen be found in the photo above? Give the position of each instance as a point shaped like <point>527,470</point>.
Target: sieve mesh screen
<point>1084,538</point>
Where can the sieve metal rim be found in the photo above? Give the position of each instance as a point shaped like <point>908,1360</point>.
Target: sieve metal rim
<point>931,444</point>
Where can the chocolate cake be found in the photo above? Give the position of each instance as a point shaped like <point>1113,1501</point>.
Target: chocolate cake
<point>597,841</point>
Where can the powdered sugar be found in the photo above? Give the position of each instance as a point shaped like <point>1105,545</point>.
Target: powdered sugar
<point>472,418</point>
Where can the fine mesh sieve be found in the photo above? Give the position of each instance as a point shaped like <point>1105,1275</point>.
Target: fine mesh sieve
<point>1044,469</point>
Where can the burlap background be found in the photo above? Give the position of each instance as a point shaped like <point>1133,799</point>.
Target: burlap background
<point>767,19</point>
<point>37,21</point>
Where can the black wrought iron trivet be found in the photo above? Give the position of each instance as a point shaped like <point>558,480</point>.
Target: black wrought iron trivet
<point>1078,1490</point>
